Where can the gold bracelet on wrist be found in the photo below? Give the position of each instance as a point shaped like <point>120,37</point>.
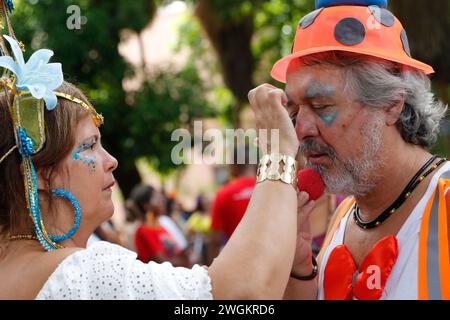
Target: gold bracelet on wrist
<point>269,169</point>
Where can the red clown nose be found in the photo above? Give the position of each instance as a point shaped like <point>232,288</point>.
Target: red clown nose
<point>310,181</point>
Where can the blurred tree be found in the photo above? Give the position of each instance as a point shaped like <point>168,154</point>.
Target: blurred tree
<point>428,24</point>
<point>137,125</point>
<point>248,37</point>
<point>229,26</point>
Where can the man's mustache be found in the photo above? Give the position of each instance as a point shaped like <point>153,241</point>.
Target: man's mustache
<point>312,145</point>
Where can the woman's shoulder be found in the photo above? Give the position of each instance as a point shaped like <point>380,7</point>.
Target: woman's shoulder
<point>16,268</point>
<point>76,263</point>
<point>108,271</point>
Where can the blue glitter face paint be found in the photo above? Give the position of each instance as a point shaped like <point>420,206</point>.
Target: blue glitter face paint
<point>318,90</point>
<point>328,119</point>
<point>76,155</point>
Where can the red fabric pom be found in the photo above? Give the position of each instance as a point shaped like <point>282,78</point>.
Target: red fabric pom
<point>310,181</point>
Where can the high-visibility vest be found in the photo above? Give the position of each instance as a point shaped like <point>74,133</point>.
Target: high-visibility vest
<point>434,242</point>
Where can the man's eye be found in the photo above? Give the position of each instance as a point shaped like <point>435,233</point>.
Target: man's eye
<point>321,107</point>
<point>294,118</point>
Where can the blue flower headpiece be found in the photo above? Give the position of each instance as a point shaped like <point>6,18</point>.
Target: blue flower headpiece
<point>37,76</point>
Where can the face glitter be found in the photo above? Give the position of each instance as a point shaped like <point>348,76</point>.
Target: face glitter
<point>76,155</point>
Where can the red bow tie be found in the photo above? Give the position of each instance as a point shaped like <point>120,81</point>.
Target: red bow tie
<point>343,282</point>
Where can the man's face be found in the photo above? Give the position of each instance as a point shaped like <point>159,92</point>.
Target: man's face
<point>338,136</point>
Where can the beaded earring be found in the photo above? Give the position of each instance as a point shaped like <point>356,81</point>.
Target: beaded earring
<point>77,214</point>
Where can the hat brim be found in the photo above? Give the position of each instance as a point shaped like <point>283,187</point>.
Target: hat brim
<point>280,68</point>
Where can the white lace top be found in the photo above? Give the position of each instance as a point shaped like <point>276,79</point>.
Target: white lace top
<point>108,271</point>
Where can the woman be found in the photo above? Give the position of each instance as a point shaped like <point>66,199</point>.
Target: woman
<point>152,241</point>
<point>255,263</point>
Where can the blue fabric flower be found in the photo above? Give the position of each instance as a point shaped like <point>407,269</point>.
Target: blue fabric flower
<point>37,75</point>
<point>10,4</point>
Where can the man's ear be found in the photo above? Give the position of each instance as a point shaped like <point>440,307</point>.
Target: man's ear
<point>393,112</point>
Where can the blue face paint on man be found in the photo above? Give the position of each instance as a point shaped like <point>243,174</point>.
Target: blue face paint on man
<point>329,119</point>
<point>76,155</point>
<point>319,91</point>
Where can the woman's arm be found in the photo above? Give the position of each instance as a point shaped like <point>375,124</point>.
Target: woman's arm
<point>257,260</point>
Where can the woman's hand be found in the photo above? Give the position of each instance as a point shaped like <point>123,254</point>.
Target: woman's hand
<point>268,104</point>
<point>302,261</point>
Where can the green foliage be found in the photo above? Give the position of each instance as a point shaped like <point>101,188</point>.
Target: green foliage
<point>275,26</point>
<point>135,126</point>
<point>169,102</point>
<point>203,59</point>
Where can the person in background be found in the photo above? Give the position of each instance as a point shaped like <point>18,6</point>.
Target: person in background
<point>107,232</point>
<point>168,223</point>
<point>152,241</point>
<point>231,201</point>
<point>175,211</point>
<point>199,230</point>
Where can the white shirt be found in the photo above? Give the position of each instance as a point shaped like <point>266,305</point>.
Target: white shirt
<point>107,271</point>
<point>402,283</point>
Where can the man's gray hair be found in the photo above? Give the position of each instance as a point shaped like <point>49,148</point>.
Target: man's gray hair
<point>380,83</point>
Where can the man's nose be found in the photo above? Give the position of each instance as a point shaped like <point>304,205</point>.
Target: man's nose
<point>306,124</point>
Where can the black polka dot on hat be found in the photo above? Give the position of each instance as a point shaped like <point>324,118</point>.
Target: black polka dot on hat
<point>405,42</point>
<point>383,16</point>
<point>349,31</point>
<point>309,18</point>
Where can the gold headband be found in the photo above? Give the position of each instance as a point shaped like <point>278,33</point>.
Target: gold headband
<point>8,153</point>
<point>98,118</point>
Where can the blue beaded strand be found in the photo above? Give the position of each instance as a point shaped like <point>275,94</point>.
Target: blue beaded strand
<point>26,149</point>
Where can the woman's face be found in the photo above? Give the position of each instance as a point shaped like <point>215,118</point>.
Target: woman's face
<point>87,173</point>
<point>157,203</point>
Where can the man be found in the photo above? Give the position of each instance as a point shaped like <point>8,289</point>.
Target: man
<point>365,119</point>
<point>231,202</point>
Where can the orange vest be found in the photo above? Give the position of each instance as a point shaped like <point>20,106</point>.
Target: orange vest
<point>434,242</point>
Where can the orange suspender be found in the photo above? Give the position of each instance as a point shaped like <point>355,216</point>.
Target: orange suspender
<point>341,211</point>
<point>434,260</point>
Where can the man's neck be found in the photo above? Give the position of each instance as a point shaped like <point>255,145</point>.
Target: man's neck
<point>400,166</point>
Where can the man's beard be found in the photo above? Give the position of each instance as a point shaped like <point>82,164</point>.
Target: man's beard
<point>358,176</point>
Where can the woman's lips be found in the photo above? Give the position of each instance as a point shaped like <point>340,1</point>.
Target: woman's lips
<point>110,186</point>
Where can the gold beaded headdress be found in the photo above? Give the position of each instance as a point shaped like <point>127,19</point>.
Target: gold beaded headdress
<point>97,117</point>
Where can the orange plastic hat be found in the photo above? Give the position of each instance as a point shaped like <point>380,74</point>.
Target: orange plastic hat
<point>369,30</point>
